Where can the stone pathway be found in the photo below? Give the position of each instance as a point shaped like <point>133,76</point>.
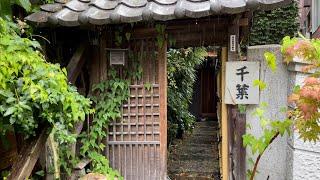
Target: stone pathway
<point>196,157</point>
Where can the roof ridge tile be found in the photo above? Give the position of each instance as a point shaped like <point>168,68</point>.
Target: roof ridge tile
<point>76,12</point>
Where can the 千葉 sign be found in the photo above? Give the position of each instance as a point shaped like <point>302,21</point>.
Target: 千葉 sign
<point>239,82</point>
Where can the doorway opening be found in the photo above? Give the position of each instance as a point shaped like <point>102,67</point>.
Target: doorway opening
<point>193,153</point>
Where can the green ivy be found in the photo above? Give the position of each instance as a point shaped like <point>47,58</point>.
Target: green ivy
<point>109,98</point>
<point>269,27</point>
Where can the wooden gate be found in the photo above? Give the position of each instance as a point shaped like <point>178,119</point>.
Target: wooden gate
<point>137,144</point>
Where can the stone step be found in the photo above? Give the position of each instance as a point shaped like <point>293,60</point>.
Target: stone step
<point>187,176</point>
<point>196,157</point>
<point>202,141</point>
<point>204,132</point>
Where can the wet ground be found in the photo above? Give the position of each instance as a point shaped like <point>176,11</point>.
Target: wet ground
<point>196,156</point>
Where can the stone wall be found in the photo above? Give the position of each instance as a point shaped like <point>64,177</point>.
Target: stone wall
<point>288,158</point>
<point>273,164</point>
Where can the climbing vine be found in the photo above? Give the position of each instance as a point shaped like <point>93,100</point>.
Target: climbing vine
<point>110,96</point>
<point>269,27</point>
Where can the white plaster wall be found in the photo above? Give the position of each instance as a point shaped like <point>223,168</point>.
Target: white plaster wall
<point>273,164</point>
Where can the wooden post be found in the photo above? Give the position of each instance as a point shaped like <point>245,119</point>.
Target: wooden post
<point>76,63</point>
<point>224,119</point>
<point>28,157</point>
<point>162,60</point>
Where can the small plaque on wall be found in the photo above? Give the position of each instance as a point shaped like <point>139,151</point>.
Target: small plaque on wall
<point>239,82</point>
<point>117,56</point>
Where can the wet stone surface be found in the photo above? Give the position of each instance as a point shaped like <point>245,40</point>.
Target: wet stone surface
<point>196,156</point>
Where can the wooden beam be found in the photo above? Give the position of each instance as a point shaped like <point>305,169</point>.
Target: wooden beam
<point>28,157</point>
<point>76,62</point>
<point>243,22</point>
<point>162,66</point>
<point>224,119</point>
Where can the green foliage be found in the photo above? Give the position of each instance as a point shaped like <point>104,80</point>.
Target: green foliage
<point>110,96</point>
<point>306,115</point>
<point>35,93</point>
<point>269,27</point>
<point>5,6</point>
<point>262,85</point>
<point>148,86</point>
<point>270,128</point>
<point>182,65</point>
<point>160,37</point>
<point>271,61</point>
<point>242,108</point>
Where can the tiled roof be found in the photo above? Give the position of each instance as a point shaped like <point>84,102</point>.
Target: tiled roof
<point>99,12</point>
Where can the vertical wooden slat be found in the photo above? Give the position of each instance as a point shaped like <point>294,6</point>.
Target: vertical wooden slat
<point>137,135</point>
<point>162,64</point>
<point>224,119</point>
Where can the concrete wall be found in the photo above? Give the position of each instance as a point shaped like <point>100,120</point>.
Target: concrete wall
<point>273,163</point>
<point>304,156</point>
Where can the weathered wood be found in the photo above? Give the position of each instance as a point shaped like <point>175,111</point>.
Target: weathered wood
<point>244,22</point>
<point>238,151</point>
<point>8,154</point>
<point>26,160</point>
<point>224,120</point>
<point>203,32</point>
<point>134,143</point>
<point>162,61</point>
<point>76,62</point>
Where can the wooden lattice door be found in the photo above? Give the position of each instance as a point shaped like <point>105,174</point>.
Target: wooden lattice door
<point>136,145</point>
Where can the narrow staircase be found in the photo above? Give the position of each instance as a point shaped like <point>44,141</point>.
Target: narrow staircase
<point>196,157</point>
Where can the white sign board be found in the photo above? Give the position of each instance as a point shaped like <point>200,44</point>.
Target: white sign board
<point>239,82</point>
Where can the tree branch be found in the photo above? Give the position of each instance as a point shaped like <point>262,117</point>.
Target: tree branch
<point>259,156</point>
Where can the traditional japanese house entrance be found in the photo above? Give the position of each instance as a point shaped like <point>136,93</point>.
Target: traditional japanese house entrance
<point>136,145</point>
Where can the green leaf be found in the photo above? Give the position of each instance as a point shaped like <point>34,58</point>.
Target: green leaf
<point>271,60</point>
<point>9,111</point>
<point>5,9</point>
<point>242,108</point>
<point>40,173</point>
<point>25,4</point>
<point>128,35</point>
<point>262,85</point>
<point>148,86</point>
<point>296,89</point>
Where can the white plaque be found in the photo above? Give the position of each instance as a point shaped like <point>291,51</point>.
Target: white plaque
<point>233,43</point>
<point>239,82</point>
